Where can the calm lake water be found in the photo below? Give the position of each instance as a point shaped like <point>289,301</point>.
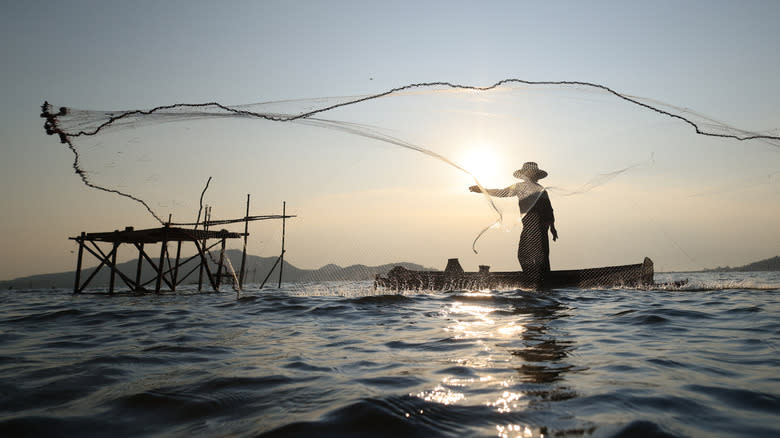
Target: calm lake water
<point>342,360</point>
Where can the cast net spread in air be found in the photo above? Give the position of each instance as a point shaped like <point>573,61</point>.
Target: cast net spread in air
<point>385,178</point>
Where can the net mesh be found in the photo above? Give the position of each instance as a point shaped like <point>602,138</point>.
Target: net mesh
<point>618,163</point>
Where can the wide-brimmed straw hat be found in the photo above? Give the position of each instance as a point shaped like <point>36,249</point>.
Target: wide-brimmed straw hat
<point>530,170</point>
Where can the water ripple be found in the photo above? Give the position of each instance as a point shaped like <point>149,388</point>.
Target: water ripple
<point>338,360</point>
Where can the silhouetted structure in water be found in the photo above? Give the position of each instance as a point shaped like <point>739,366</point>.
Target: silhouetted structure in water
<point>170,275</point>
<point>141,238</point>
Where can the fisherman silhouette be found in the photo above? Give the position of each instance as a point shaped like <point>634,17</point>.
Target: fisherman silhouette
<point>533,250</point>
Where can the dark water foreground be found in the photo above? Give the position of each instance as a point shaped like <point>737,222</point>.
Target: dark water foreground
<point>337,360</point>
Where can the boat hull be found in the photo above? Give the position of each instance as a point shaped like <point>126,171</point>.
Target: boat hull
<point>454,278</point>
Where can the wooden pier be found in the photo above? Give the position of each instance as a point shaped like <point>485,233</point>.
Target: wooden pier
<point>170,272</point>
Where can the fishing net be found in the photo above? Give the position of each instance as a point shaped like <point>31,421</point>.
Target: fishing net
<point>384,178</point>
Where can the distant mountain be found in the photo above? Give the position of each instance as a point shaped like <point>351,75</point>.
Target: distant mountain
<point>770,264</point>
<point>257,268</point>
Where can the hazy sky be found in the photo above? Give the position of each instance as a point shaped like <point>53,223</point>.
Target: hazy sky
<point>699,203</point>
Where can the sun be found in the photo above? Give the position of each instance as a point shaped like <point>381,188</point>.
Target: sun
<point>482,162</point>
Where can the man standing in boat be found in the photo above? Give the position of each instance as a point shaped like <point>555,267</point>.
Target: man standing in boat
<point>533,251</point>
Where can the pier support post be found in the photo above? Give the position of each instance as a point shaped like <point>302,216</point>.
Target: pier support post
<point>112,278</point>
<point>77,283</point>
<point>205,264</point>
<point>281,257</point>
<point>176,266</point>
<point>221,263</point>
<point>161,265</point>
<point>139,267</point>
<point>243,253</point>
<point>206,217</point>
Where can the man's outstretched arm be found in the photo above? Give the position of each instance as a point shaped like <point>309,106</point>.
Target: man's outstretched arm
<point>501,193</point>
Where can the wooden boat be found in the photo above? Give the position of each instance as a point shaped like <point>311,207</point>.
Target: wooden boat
<point>454,278</point>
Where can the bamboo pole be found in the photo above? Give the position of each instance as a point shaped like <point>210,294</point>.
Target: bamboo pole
<point>163,251</point>
<point>202,253</point>
<point>243,253</point>
<point>270,272</point>
<point>103,261</point>
<point>176,266</point>
<point>151,263</point>
<point>139,266</point>
<point>112,278</point>
<point>203,260</point>
<point>221,263</point>
<point>77,283</point>
<point>284,221</point>
<point>168,258</point>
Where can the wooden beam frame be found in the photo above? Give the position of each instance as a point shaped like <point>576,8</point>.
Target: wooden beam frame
<point>169,276</point>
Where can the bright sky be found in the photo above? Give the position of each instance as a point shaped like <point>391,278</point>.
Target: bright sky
<point>701,203</point>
